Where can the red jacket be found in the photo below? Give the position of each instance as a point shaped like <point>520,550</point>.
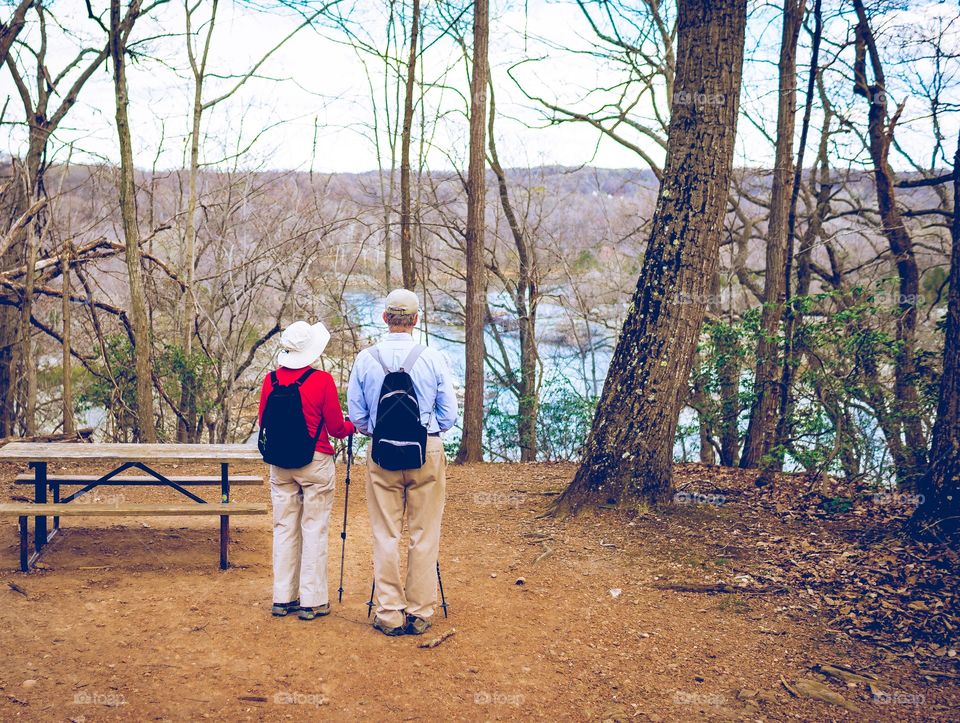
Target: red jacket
<point>320,401</point>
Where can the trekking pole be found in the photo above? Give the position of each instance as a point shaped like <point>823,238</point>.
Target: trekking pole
<point>443,599</point>
<point>373,586</point>
<point>346,499</point>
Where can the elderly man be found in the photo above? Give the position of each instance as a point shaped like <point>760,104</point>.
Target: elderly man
<point>401,394</point>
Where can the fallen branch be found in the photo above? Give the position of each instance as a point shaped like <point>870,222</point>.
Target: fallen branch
<point>436,641</point>
<point>724,588</point>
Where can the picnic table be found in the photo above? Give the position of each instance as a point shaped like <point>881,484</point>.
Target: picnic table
<point>123,457</point>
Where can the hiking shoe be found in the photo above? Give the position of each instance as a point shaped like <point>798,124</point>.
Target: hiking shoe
<point>316,612</point>
<point>386,629</point>
<point>283,609</point>
<point>416,625</point>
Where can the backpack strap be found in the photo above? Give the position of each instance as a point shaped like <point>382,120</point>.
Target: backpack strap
<point>274,381</point>
<point>375,353</point>
<point>407,364</point>
<point>412,357</point>
<point>304,377</point>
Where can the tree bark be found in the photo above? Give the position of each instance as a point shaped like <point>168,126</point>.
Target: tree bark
<point>119,33</point>
<point>939,510</point>
<point>628,455</point>
<point>69,427</point>
<point>471,443</point>
<point>763,413</point>
<point>407,264</point>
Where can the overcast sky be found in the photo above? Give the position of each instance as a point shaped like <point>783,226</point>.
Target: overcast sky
<point>315,111</point>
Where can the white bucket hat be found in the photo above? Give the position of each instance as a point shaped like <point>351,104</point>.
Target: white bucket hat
<point>301,344</point>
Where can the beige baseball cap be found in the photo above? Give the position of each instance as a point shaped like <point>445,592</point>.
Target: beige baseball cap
<point>402,301</point>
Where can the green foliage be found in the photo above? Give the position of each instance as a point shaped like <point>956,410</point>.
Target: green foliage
<point>176,369</point>
<point>837,505</point>
<point>846,353</point>
<point>563,422</point>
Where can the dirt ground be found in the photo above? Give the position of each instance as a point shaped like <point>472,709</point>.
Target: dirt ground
<point>130,619</point>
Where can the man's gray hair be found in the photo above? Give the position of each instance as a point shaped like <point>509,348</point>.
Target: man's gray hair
<point>395,318</point>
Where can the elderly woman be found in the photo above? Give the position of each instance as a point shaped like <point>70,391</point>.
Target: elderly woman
<point>299,411</point>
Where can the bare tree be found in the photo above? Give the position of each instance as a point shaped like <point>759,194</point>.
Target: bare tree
<point>121,27</point>
<point>880,136</point>
<point>27,197</point>
<point>407,264</point>
<point>471,444</point>
<point>763,413</point>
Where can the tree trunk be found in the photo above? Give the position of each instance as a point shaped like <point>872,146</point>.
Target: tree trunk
<point>471,444</point>
<point>407,264</point>
<point>28,364</point>
<point>766,385</point>
<point>727,346</point>
<point>526,297</point>
<point>628,456</point>
<point>69,426</point>
<point>939,510</point>
<point>187,428</point>
<point>880,134</point>
<point>119,32</point>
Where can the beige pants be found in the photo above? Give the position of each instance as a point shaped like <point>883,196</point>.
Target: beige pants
<point>422,492</point>
<point>302,499</point>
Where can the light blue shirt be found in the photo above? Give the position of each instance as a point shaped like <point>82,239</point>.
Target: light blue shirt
<point>432,381</point>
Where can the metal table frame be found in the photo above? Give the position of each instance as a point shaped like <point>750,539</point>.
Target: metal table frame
<point>42,537</point>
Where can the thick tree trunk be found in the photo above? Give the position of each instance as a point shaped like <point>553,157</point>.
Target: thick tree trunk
<point>471,444</point>
<point>766,385</point>
<point>628,455</point>
<point>407,264</point>
<point>939,511</point>
<point>880,135</point>
<point>119,32</point>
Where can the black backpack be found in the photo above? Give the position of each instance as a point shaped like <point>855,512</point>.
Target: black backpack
<point>399,439</point>
<point>284,440</point>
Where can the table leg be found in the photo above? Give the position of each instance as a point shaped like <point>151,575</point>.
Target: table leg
<point>24,545</point>
<point>55,487</point>
<point>224,519</point>
<point>40,497</point>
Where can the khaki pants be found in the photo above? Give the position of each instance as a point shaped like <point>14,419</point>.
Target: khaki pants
<point>422,492</point>
<point>302,499</point>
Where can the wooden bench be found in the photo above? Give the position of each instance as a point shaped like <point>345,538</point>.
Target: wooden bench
<point>25,510</point>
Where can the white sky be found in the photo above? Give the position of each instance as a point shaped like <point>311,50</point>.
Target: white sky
<point>320,83</point>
